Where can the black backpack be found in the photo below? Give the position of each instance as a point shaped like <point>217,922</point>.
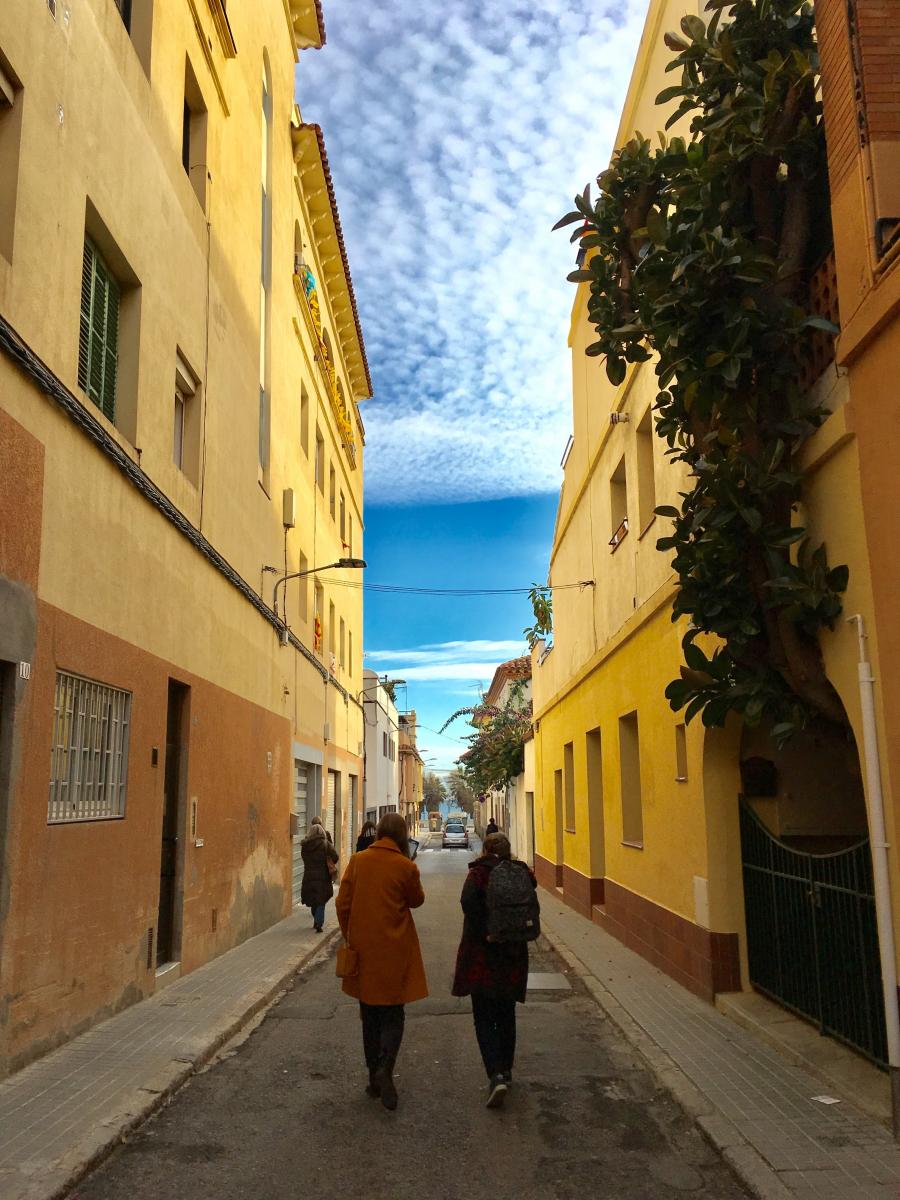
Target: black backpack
<point>513,911</point>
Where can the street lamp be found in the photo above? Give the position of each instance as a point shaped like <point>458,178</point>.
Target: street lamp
<point>343,563</point>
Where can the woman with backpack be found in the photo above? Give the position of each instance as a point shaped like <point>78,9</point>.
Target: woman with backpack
<point>501,915</point>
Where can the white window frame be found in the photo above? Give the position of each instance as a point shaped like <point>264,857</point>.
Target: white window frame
<point>185,388</point>
<point>89,751</point>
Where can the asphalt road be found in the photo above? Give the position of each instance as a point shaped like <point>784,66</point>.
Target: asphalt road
<point>284,1113</point>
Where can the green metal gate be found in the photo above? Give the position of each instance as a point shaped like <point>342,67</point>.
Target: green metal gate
<point>812,938</point>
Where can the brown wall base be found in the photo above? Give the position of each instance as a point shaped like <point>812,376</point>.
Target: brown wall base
<point>580,891</point>
<point>700,960</point>
<point>548,874</point>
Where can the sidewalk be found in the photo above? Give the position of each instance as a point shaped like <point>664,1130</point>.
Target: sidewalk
<point>754,1106</point>
<point>68,1110</point>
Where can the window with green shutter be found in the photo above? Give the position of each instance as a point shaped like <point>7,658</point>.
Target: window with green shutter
<point>98,340</point>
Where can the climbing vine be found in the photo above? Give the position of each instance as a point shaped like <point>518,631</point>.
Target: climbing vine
<point>542,606</point>
<point>698,253</point>
<point>496,753</point>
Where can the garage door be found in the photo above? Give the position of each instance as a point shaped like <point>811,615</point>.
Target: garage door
<point>332,796</point>
<point>302,776</point>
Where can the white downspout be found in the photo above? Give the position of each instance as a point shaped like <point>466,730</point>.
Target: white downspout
<point>880,868</point>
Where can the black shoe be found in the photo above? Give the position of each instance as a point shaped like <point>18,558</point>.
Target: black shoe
<point>317,928</point>
<point>373,1088</point>
<point>496,1091</point>
<point>384,1078</point>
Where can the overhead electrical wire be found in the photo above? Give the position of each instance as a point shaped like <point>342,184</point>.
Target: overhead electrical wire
<point>420,591</point>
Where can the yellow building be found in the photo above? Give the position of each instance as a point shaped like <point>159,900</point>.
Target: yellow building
<point>646,826</point>
<point>412,770</point>
<point>180,367</point>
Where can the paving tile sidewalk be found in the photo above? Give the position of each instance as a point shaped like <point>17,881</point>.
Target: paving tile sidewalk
<point>64,1112</point>
<point>755,1106</point>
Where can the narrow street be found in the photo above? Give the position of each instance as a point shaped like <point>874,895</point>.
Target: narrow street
<point>283,1113</point>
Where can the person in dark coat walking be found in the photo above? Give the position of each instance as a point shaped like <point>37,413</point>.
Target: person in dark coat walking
<point>491,827</point>
<point>366,837</point>
<point>494,974</point>
<point>319,859</point>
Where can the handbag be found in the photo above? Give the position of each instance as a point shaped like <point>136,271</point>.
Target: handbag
<point>332,869</point>
<point>347,962</point>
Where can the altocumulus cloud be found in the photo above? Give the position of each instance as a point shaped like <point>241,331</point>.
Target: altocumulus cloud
<point>466,660</point>
<point>458,132</point>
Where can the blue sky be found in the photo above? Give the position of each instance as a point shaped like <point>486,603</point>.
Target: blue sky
<point>457,134</point>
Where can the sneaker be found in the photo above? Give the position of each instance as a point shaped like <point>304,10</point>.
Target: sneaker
<point>496,1092</point>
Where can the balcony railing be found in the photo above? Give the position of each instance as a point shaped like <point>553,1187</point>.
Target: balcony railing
<point>818,351</point>
<point>308,299</point>
<point>617,538</point>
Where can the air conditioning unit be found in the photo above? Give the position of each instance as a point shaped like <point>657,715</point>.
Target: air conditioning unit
<point>617,418</point>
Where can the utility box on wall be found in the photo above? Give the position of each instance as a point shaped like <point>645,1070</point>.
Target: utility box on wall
<point>288,508</point>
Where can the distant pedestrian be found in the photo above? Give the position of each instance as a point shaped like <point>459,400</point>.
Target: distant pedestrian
<point>495,972</point>
<point>366,837</point>
<point>320,861</point>
<point>492,827</point>
<point>377,892</point>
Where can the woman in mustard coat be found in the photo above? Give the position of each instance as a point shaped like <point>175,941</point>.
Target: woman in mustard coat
<point>379,888</point>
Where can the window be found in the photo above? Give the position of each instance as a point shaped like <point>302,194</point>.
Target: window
<point>342,516</point>
<point>331,629</point>
<point>342,645</point>
<point>646,472</point>
<point>320,461</point>
<point>317,622</point>
<point>193,134</point>
<point>137,17</point>
<point>304,419</point>
<point>350,534</point>
<point>630,775</point>
<point>681,763</point>
<point>265,278</point>
<point>303,587</point>
<point>98,337</point>
<point>597,831</point>
<point>89,751</point>
<point>618,504</point>
<point>10,141</point>
<point>569,785</point>
<point>384,745</point>
<point>332,489</point>
<point>350,652</point>
<point>186,431</point>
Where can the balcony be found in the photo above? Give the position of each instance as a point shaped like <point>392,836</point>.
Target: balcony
<point>818,351</point>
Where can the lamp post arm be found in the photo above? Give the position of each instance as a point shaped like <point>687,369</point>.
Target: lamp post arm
<point>295,575</point>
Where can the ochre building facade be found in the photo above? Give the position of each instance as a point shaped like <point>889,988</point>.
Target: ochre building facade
<point>180,368</point>
<point>647,826</point>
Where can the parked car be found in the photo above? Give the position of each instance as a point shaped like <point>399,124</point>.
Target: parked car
<point>455,835</point>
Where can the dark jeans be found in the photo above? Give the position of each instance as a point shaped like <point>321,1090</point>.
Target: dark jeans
<point>382,1029</point>
<point>495,1028</point>
<point>318,913</point>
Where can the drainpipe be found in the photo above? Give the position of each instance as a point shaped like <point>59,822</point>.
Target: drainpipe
<point>880,869</point>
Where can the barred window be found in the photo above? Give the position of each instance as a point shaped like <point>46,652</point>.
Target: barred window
<point>89,753</point>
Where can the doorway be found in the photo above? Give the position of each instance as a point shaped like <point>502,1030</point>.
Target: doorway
<point>168,926</point>
<point>812,936</point>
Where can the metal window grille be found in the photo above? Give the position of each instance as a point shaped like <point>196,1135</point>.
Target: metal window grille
<point>89,753</point>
